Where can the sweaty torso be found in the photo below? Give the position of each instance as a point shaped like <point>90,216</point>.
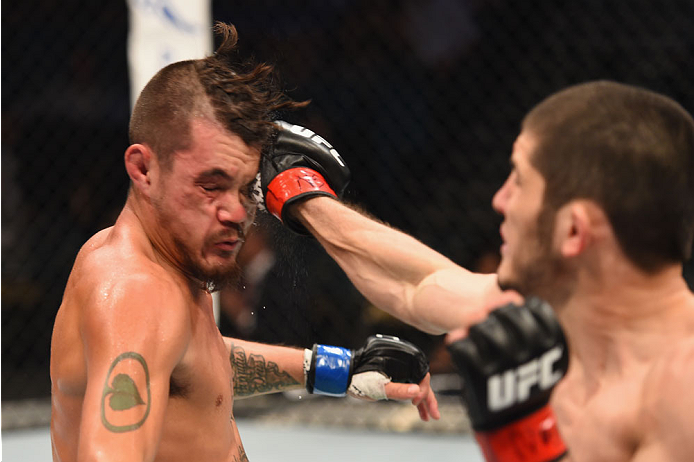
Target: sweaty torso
<point>624,416</point>
<point>198,423</point>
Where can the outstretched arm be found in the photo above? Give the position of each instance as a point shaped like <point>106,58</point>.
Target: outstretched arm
<point>302,175</point>
<point>384,368</point>
<point>260,369</point>
<point>396,272</point>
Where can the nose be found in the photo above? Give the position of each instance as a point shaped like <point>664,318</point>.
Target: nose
<point>234,209</point>
<point>500,199</point>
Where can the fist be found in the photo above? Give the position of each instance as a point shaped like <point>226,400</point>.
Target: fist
<point>299,165</point>
<point>510,362</point>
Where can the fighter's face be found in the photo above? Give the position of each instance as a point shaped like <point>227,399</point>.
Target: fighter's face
<point>203,202</point>
<point>527,260</point>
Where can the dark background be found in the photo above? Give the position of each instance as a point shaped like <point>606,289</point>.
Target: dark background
<point>422,98</point>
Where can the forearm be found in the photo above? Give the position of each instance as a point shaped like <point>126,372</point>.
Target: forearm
<point>396,272</point>
<point>260,368</point>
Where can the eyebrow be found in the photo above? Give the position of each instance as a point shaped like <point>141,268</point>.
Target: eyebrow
<point>213,173</point>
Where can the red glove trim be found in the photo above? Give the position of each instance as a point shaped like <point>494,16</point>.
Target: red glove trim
<point>292,183</point>
<point>534,438</point>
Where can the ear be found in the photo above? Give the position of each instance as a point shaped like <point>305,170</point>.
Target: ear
<point>573,231</point>
<point>138,164</point>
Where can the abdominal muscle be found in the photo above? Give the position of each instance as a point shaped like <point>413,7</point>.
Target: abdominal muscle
<point>189,434</point>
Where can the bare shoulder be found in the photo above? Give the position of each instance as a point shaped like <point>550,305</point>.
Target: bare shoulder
<point>117,287</point>
<point>116,300</point>
<point>674,370</point>
<point>668,402</point>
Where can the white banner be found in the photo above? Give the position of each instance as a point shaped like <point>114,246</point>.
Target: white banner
<point>165,31</point>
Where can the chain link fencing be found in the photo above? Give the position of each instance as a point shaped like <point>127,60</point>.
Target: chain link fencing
<point>422,98</point>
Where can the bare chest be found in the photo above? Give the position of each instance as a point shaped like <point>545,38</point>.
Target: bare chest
<point>599,423</point>
<point>199,423</point>
<point>204,375</point>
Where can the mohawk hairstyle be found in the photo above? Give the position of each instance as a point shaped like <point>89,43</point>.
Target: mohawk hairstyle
<point>241,96</point>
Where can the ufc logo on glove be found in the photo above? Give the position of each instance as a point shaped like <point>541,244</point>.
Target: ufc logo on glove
<point>299,165</point>
<point>514,385</point>
<point>510,362</point>
<point>306,133</point>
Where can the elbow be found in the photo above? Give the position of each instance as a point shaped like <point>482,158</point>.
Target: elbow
<point>423,319</point>
<point>430,326</point>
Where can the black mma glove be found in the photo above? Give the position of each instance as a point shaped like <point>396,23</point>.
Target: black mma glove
<point>510,362</point>
<point>300,164</point>
<point>334,371</point>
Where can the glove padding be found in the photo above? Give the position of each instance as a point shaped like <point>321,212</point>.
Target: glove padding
<point>335,371</point>
<point>300,164</point>
<point>510,362</point>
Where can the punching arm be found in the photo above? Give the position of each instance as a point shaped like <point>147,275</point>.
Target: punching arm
<point>396,272</point>
<point>301,176</point>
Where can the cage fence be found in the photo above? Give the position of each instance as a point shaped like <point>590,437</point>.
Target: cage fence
<point>422,98</point>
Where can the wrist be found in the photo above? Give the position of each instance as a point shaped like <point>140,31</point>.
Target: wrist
<point>328,370</point>
<point>292,184</point>
<point>531,438</point>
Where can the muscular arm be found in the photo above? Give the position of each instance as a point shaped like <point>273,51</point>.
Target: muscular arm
<point>131,349</point>
<point>260,368</point>
<point>396,272</point>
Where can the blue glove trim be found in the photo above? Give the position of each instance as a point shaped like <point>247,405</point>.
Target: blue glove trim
<point>332,365</point>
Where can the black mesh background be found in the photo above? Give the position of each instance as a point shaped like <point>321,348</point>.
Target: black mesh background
<point>422,98</point>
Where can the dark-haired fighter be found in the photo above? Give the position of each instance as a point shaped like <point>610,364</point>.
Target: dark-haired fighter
<point>598,219</point>
<point>139,370</point>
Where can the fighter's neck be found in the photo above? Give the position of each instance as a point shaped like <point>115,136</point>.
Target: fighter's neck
<point>153,247</point>
<point>619,319</point>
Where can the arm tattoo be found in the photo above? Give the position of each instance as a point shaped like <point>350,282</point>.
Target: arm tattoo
<point>252,375</point>
<point>122,395</point>
<point>242,455</point>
